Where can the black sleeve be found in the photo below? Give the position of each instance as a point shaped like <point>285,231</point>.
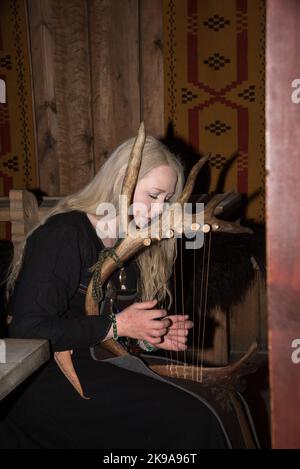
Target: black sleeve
<point>49,277</point>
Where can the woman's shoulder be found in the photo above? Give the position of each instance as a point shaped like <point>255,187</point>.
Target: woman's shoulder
<point>70,218</point>
<point>72,229</point>
<point>61,225</point>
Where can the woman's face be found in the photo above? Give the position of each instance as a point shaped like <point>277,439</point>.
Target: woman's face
<point>155,188</point>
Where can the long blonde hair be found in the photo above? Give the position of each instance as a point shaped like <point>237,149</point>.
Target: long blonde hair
<point>155,262</point>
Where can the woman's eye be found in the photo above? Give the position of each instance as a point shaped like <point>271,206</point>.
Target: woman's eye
<point>156,197</point>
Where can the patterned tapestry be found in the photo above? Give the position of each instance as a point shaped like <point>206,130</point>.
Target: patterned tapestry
<point>17,153</point>
<point>214,58</point>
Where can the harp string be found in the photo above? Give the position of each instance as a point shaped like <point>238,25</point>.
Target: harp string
<point>205,305</point>
<point>200,306</point>
<point>174,363</point>
<point>182,300</point>
<point>201,313</point>
<point>176,312</point>
<point>171,362</point>
<point>193,311</point>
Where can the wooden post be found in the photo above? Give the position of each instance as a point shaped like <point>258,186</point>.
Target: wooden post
<point>283,217</point>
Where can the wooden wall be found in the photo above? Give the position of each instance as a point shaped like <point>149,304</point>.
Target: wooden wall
<point>97,72</point>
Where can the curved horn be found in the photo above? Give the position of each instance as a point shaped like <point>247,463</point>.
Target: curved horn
<point>189,185</point>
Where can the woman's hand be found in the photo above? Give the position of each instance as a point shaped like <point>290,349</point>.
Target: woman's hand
<point>175,338</point>
<point>139,321</point>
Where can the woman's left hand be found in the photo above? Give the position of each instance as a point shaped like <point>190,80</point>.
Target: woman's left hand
<point>176,337</point>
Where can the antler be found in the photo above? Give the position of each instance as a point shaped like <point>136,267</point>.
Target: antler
<point>216,224</point>
<point>169,223</point>
<point>136,239</point>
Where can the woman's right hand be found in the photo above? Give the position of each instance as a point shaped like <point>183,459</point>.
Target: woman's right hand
<point>140,321</point>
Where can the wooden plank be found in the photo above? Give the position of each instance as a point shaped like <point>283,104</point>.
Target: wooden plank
<point>23,214</point>
<point>61,73</point>
<point>18,360</point>
<point>114,42</point>
<point>73,94</point>
<point>151,66</point>
<point>283,218</point>
<point>41,29</point>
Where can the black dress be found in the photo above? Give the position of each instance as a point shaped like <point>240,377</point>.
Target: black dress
<point>126,409</point>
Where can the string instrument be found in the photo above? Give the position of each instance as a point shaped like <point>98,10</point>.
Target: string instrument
<point>218,386</point>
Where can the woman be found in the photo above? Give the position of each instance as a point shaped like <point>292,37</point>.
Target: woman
<point>49,278</point>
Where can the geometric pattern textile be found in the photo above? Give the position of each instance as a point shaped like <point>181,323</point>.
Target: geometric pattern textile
<point>17,148</point>
<point>214,67</point>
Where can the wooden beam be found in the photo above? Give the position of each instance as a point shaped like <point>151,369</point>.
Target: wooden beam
<point>42,44</point>
<point>62,91</point>
<point>283,217</point>
<point>151,65</point>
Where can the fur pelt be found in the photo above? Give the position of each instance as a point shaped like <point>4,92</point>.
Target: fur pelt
<point>233,261</point>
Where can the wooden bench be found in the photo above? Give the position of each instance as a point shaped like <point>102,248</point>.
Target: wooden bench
<point>19,358</point>
<point>21,209</point>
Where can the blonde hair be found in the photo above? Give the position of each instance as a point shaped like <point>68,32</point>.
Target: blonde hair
<point>155,262</point>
